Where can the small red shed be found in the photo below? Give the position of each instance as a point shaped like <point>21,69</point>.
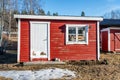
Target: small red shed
<point>110,39</point>
<point>44,38</point>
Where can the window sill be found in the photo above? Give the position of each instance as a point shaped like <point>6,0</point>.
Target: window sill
<point>77,43</point>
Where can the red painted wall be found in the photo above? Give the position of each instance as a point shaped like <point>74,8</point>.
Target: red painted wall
<point>71,51</point>
<point>24,41</point>
<point>57,42</point>
<point>104,40</point>
<point>114,40</point>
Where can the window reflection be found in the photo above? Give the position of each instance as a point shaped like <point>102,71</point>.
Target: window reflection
<point>72,37</point>
<point>72,30</point>
<point>81,34</point>
<point>72,34</point>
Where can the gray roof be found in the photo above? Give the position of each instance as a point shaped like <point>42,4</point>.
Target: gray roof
<point>110,22</point>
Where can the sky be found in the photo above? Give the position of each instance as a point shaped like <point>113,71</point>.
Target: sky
<point>75,7</point>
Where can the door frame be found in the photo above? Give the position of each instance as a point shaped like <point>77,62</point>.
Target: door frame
<point>48,39</point>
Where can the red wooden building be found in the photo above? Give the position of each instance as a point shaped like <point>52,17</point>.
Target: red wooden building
<point>43,38</point>
<point>110,35</point>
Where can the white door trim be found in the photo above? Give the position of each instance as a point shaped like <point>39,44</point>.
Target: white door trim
<point>48,32</point>
<point>117,33</point>
<point>109,40</point>
<point>19,32</point>
<point>98,41</point>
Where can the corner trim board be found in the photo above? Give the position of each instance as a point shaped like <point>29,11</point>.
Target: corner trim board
<point>109,39</point>
<point>98,41</point>
<point>18,51</point>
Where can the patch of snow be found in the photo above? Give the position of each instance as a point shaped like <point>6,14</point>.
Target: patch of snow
<point>43,74</point>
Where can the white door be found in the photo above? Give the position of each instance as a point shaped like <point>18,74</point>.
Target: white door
<point>39,40</point>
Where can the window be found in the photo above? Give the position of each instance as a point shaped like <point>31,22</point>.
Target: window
<point>76,34</point>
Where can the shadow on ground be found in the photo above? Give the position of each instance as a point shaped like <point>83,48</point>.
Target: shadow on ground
<point>9,57</point>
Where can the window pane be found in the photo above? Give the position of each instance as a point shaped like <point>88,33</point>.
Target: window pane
<point>81,30</point>
<point>72,30</point>
<point>72,37</point>
<point>81,34</point>
<point>81,38</point>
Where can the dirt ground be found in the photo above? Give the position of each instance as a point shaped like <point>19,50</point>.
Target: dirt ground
<point>108,69</point>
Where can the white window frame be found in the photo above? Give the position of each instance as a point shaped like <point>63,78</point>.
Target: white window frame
<point>77,25</point>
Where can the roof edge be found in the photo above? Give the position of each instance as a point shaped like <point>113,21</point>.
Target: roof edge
<point>58,17</point>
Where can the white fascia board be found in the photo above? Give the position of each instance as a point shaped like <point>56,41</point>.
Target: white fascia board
<point>106,29</point>
<point>117,33</point>
<point>114,27</point>
<point>58,17</point>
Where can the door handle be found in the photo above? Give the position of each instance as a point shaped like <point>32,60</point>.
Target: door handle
<point>44,39</point>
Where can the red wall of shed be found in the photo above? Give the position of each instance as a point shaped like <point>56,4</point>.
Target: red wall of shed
<point>58,48</point>
<point>112,38</point>
<point>104,40</point>
<point>24,41</point>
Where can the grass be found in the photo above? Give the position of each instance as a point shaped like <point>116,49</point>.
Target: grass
<point>111,71</point>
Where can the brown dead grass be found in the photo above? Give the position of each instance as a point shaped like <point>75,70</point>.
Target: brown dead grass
<point>83,72</point>
<point>3,78</point>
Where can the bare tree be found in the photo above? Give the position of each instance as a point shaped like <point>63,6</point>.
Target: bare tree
<point>113,14</point>
<point>10,7</point>
<point>31,6</point>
